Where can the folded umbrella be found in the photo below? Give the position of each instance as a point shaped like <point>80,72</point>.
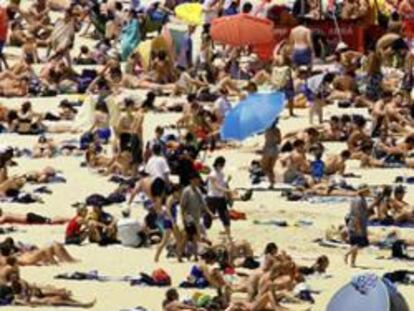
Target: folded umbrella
<point>252,115</point>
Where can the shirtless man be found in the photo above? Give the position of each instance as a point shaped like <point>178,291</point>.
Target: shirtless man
<point>123,129</point>
<point>8,269</point>
<point>12,184</point>
<point>335,164</point>
<point>296,163</point>
<point>358,136</point>
<point>401,210</point>
<point>300,39</point>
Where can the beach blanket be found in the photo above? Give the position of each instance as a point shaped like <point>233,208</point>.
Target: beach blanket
<point>158,278</point>
<point>130,38</point>
<point>327,199</point>
<point>93,276</point>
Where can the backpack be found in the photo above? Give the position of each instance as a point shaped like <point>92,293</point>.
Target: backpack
<point>161,277</point>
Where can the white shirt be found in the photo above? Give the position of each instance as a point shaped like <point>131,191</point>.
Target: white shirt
<point>222,105</point>
<point>219,178</point>
<point>128,229</point>
<point>157,167</point>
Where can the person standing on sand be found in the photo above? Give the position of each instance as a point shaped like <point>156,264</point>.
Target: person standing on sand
<point>357,224</point>
<point>137,138</point>
<point>303,52</point>
<point>270,152</point>
<point>192,204</point>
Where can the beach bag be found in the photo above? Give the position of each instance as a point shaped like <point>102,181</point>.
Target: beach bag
<point>97,200</point>
<point>399,249</point>
<point>161,277</point>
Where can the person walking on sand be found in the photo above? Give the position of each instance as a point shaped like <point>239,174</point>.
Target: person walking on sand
<point>300,39</point>
<point>192,205</point>
<point>357,223</point>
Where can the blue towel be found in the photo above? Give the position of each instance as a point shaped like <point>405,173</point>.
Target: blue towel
<point>130,37</point>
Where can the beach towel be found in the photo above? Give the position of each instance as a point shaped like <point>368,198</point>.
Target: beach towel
<point>274,222</point>
<point>375,223</point>
<point>94,275</point>
<point>327,199</point>
<point>130,38</point>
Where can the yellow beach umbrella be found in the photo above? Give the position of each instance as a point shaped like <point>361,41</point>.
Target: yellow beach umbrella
<point>190,13</point>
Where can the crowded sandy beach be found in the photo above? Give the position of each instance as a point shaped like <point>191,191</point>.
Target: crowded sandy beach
<point>211,156</point>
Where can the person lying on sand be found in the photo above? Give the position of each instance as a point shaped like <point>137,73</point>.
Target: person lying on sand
<point>172,302</point>
<point>26,294</point>
<point>30,219</point>
<point>50,255</point>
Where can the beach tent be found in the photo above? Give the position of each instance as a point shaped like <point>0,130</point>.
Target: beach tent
<point>377,294</point>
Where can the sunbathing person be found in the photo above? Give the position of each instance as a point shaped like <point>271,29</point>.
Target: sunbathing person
<point>42,176</point>
<point>12,186</point>
<point>44,148</point>
<point>401,210</point>
<point>77,229</point>
<point>172,302</point>
<point>335,164</point>
<point>101,226</point>
<point>296,165</point>
<point>33,295</point>
<point>50,255</point>
<point>30,219</point>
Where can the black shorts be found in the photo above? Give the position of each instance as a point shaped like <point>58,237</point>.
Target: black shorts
<point>158,188</point>
<point>33,218</point>
<point>219,205</point>
<point>73,240</point>
<point>360,241</point>
<point>136,149</point>
<point>125,142</point>
<point>191,230</point>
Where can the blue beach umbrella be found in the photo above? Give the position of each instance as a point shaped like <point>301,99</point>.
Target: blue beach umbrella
<point>252,115</point>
